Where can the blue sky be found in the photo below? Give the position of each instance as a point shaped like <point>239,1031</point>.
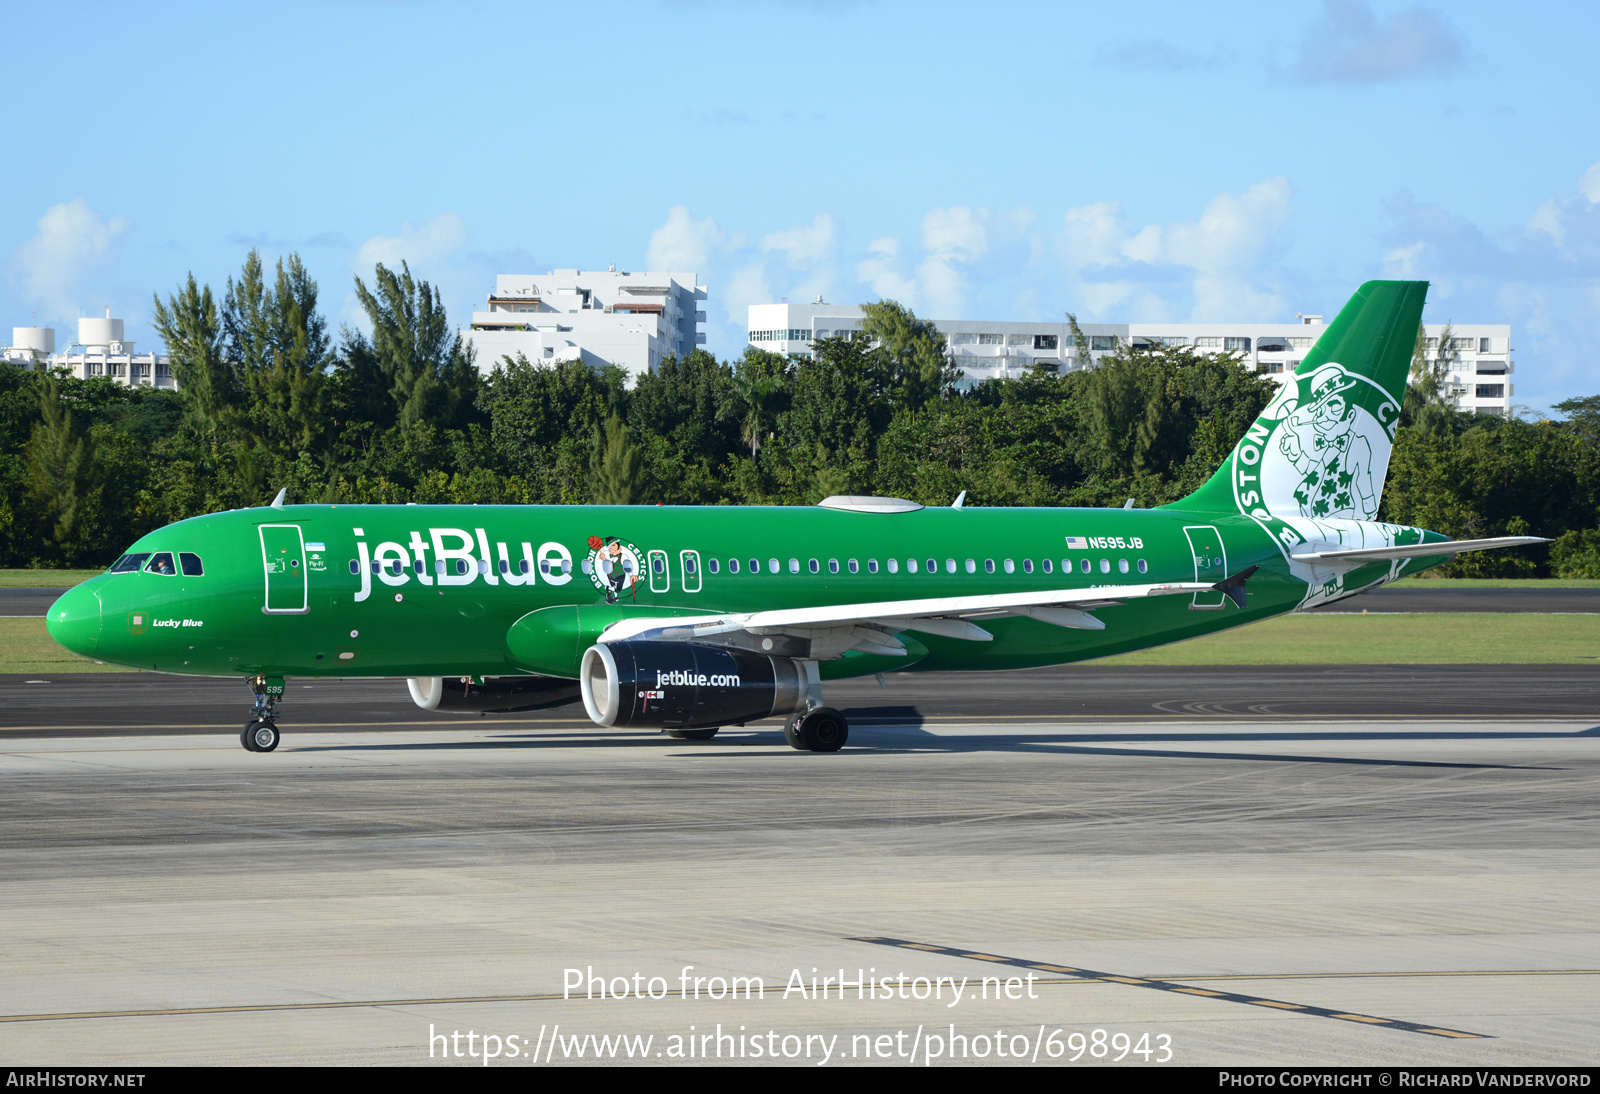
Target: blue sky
<point>1009,161</point>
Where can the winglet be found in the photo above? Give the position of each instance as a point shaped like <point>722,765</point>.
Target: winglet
<point>1129,503</point>
<point>277,502</point>
<point>961,497</point>
<point>1233,587</point>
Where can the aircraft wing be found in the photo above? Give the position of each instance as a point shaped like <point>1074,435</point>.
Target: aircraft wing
<point>1413,550</point>
<point>828,631</point>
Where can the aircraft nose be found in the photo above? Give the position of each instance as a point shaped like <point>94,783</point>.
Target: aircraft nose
<point>74,621</point>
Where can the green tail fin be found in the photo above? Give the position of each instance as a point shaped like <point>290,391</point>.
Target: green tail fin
<point>1320,450</point>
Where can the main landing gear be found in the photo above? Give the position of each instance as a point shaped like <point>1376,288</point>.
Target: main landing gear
<point>820,729</point>
<point>260,733</point>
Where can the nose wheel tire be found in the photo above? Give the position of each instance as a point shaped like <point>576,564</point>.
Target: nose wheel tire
<point>693,734</point>
<point>259,736</point>
<point>821,730</point>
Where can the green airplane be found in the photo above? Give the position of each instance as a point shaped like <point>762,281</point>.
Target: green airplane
<point>686,619</point>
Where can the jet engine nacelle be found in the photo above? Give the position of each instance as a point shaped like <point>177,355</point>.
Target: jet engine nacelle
<point>684,685</point>
<point>495,695</point>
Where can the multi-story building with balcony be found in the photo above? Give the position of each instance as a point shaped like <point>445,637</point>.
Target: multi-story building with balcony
<point>599,316</point>
<point>1477,374</point>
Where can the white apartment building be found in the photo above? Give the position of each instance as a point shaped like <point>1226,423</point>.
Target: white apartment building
<point>1479,355</point>
<point>100,350</point>
<point>597,316</point>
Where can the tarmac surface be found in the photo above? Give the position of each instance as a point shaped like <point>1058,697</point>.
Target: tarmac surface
<point>123,704</point>
<point>1406,598</point>
<point>1211,892</point>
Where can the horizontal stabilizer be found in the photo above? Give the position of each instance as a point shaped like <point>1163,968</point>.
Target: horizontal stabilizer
<point>1233,587</point>
<point>1414,550</point>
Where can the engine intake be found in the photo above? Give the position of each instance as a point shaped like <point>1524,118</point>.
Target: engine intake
<point>684,685</point>
<point>496,695</point>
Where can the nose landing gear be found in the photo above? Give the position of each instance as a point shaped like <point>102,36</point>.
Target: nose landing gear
<point>260,733</point>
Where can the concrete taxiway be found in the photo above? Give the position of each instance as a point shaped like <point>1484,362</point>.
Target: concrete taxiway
<point>1258,891</point>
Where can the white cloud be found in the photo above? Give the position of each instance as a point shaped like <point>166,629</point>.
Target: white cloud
<point>685,244</point>
<point>436,241</point>
<point>747,286</point>
<point>1222,260</point>
<point>1350,45</point>
<point>1589,184</point>
<point>881,271</point>
<point>72,242</point>
<point>1542,276</point>
<point>806,246</point>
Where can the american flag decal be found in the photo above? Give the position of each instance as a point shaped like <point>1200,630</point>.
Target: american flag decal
<point>1077,543</point>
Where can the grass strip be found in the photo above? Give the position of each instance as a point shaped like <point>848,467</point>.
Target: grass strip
<point>1420,638</point>
<point>44,579</point>
<point>26,647</point>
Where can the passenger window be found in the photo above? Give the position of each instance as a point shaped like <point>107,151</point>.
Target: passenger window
<point>872,565</point>
<point>1085,566</point>
<point>950,565</point>
<point>911,565</point>
<point>855,567</point>
<point>1011,567</point>
<point>972,567</point>
<point>438,565</point>
<point>1027,565</point>
<point>794,565</point>
<point>190,563</point>
<point>417,565</point>
<point>1144,567</point>
<point>894,566</point>
<point>688,564</point>
<point>814,567</point>
<point>505,567</point>
<point>933,565</point>
<point>524,567</point>
<point>588,566</point>
<point>1046,565</point>
<point>127,564</point>
<point>772,564</point>
<point>483,566</point>
<point>355,566</point>
<point>1105,565</point>
<point>988,565</point>
<point>658,565</point>
<point>1122,565</point>
<point>755,566</point>
<point>833,565</point>
<point>544,566</point>
<point>712,564</point>
<point>161,563</point>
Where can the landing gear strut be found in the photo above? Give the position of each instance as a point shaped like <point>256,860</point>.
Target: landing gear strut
<point>260,733</point>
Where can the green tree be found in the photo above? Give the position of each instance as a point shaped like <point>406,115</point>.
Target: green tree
<point>1584,415</point>
<point>63,474</point>
<point>425,369</point>
<point>911,351</point>
<point>189,325</point>
<point>1428,405</point>
<point>618,471</point>
<point>279,345</point>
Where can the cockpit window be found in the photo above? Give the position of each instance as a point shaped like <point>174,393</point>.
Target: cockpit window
<point>191,564</point>
<point>127,564</point>
<point>161,563</point>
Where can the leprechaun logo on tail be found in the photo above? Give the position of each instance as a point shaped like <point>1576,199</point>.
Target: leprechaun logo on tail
<point>1310,469</point>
